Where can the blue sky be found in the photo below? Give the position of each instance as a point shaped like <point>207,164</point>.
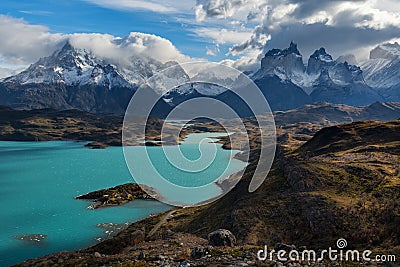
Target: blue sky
<point>237,32</point>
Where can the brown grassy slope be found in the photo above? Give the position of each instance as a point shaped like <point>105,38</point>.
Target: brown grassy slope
<point>315,198</point>
<point>48,124</point>
<point>308,199</point>
<point>350,136</point>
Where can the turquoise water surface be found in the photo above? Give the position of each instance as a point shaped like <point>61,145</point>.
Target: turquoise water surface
<point>38,183</point>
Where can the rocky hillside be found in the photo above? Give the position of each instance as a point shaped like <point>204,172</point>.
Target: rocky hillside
<point>332,114</point>
<point>103,130</point>
<point>315,191</point>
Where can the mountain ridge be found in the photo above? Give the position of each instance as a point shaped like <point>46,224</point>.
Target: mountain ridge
<point>321,79</point>
<point>75,78</point>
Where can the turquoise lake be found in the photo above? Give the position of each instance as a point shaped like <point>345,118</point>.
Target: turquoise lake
<point>38,183</point>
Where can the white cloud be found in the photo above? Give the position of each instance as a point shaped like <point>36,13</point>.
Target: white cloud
<point>37,12</point>
<point>22,43</point>
<point>159,6</point>
<point>250,61</point>
<point>121,50</point>
<point>236,9</point>
<point>210,52</point>
<point>223,36</point>
<point>249,27</point>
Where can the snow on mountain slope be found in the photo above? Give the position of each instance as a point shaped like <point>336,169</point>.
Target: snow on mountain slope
<point>284,63</point>
<point>382,69</point>
<point>74,66</point>
<point>288,65</point>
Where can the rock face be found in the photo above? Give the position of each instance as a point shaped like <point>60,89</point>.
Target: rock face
<point>277,75</point>
<point>287,61</point>
<point>343,84</point>
<point>338,82</point>
<point>221,237</point>
<point>319,60</point>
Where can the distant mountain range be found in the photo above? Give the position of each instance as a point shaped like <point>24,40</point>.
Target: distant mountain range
<point>289,83</point>
<point>74,78</point>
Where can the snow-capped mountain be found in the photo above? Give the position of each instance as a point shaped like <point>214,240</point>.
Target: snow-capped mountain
<point>77,67</point>
<point>71,67</point>
<point>338,82</point>
<point>289,83</point>
<point>381,71</point>
<point>75,78</point>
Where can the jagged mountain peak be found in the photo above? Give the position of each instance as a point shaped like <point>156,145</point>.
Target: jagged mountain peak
<point>67,47</point>
<point>292,49</point>
<point>69,54</point>
<point>322,79</point>
<point>319,60</point>
<point>322,55</point>
<point>284,63</point>
<point>74,77</point>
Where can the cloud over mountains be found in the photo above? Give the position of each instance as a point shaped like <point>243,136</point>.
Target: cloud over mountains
<point>22,43</point>
<point>340,25</point>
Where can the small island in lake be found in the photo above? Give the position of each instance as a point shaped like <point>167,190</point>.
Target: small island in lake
<point>118,195</point>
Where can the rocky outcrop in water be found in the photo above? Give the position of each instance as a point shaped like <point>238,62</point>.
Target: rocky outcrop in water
<point>117,195</point>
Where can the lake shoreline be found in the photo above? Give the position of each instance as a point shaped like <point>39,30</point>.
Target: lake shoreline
<point>55,151</point>
<point>97,130</point>
<point>107,197</point>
